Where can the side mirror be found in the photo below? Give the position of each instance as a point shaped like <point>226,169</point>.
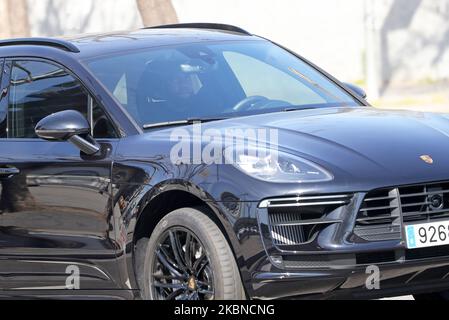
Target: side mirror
<point>69,126</point>
<point>357,90</point>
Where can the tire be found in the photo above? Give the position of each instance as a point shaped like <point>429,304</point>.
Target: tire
<point>167,274</point>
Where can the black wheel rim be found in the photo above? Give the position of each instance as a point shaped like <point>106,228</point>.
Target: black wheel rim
<point>181,268</point>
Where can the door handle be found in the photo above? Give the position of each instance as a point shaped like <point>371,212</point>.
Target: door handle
<point>7,172</point>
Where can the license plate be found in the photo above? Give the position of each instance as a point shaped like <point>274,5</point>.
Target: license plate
<point>427,235</point>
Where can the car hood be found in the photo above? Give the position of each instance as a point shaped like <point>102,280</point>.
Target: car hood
<point>362,143</point>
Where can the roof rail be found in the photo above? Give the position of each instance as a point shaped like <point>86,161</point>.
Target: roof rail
<point>213,26</point>
<point>49,42</point>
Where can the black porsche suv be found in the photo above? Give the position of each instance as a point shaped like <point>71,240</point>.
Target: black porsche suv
<point>119,178</point>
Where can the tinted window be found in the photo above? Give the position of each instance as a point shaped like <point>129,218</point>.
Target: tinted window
<point>38,89</point>
<point>214,80</point>
<point>101,125</point>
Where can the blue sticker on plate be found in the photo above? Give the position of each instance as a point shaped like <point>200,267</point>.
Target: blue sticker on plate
<point>411,237</point>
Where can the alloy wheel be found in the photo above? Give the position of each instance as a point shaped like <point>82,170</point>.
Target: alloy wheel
<point>181,268</point>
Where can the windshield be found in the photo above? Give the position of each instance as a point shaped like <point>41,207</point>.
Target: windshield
<point>214,80</point>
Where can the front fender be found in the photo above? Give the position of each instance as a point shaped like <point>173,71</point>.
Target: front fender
<point>143,186</point>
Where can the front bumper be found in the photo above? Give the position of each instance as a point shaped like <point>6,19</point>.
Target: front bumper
<point>396,279</point>
<point>337,264</point>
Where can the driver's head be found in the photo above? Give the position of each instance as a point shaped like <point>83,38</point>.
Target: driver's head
<point>182,85</point>
<point>170,80</point>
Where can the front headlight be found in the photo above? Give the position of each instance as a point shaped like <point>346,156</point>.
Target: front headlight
<point>276,166</point>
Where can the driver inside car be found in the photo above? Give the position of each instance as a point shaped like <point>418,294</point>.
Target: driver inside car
<point>170,89</point>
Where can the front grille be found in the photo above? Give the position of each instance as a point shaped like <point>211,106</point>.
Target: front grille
<point>425,203</point>
<point>296,221</point>
<point>385,211</point>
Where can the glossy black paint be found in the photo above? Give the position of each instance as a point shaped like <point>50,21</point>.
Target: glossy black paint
<point>62,126</point>
<point>65,208</point>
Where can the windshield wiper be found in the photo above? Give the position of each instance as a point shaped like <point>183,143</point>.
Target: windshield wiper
<point>180,122</point>
<point>296,109</point>
<point>315,106</point>
<point>289,109</point>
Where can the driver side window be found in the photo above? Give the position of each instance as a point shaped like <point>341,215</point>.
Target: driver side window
<point>38,89</point>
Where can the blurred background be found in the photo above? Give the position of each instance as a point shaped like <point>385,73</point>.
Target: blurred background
<point>397,50</point>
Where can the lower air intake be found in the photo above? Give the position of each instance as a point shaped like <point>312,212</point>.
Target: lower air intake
<point>296,221</point>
